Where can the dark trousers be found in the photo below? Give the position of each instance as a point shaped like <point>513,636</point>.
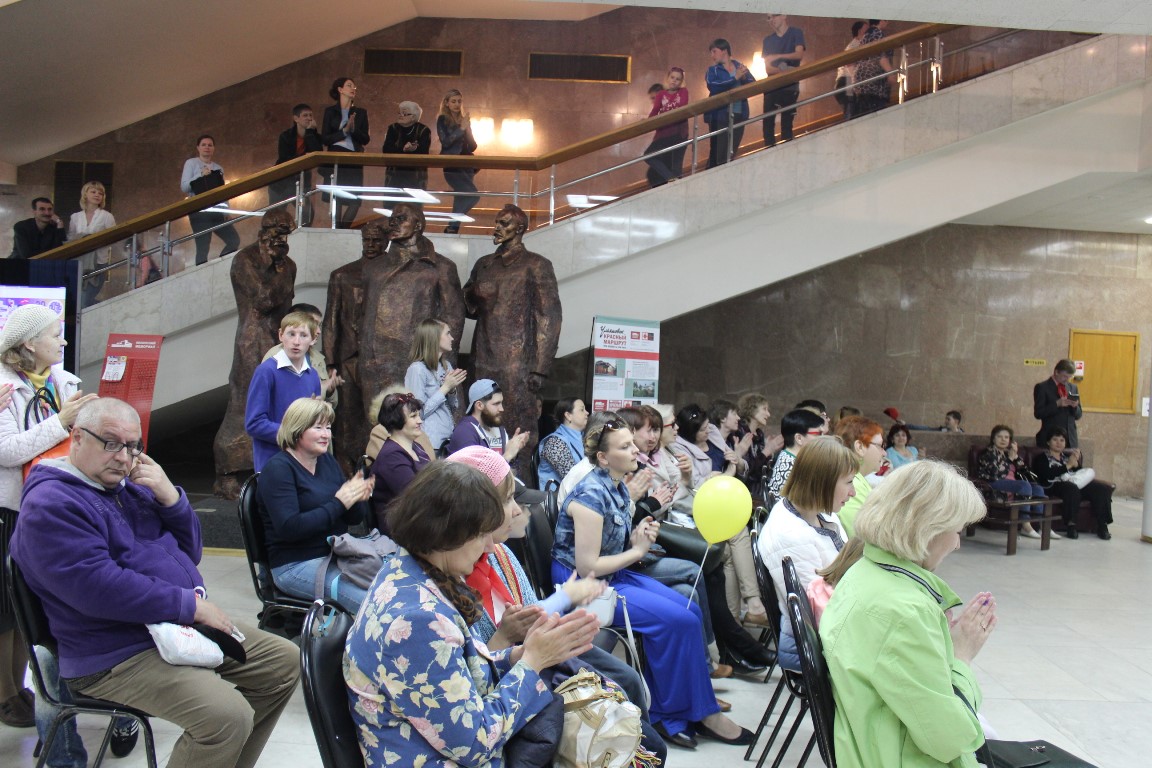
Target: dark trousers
<point>868,103</point>
<point>731,637</point>
<point>1098,495</point>
<point>664,167</point>
<point>719,151</point>
<point>847,101</point>
<point>202,221</point>
<point>783,97</point>
<point>460,179</point>
<point>346,175</point>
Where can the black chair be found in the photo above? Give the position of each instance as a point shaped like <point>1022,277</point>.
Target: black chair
<point>325,694</point>
<point>33,624</point>
<point>817,682</point>
<point>552,502</point>
<point>255,547</point>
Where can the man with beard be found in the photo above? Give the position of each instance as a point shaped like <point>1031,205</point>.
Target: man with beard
<point>341,344</point>
<point>483,424</point>
<point>407,285</point>
<point>513,297</point>
<point>263,280</point>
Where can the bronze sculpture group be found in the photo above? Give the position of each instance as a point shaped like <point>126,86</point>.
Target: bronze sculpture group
<point>374,305</point>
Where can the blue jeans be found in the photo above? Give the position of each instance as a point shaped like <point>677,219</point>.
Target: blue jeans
<point>1022,488</point>
<point>68,749</point>
<point>299,580</point>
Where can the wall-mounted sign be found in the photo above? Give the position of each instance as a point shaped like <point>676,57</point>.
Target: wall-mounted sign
<point>1035,362</point>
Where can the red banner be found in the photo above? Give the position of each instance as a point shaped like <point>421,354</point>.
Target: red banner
<point>130,364</point>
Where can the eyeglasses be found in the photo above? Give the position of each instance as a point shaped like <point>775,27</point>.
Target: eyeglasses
<point>877,444</point>
<point>113,446</point>
<point>673,425</point>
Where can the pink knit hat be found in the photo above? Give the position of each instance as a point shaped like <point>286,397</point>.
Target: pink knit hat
<point>484,459</point>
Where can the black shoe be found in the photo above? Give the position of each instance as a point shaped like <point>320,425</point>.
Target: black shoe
<point>742,668</point>
<point>1102,531</point>
<point>682,739</point>
<point>452,228</point>
<point>124,736</point>
<point>745,738</point>
<point>1070,532</point>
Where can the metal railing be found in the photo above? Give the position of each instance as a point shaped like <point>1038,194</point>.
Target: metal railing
<point>921,66</point>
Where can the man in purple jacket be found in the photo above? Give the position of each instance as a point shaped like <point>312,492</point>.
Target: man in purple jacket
<point>109,545</point>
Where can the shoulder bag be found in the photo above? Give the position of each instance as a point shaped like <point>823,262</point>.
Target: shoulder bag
<point>58,451</point>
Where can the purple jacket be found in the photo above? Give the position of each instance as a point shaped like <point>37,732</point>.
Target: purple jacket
<point>104,563</point>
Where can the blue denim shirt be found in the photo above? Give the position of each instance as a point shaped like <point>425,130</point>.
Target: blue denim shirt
<point>607,499</point>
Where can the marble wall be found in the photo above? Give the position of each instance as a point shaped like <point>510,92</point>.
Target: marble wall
<point>938,321</point>
<point>246,118</point>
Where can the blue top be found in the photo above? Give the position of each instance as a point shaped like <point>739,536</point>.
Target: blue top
<point>786,43</point>
<point>518,582</point>
<point>575,443</point>
<point>422,690</point>
<point>718,79</point>
<point>609,500</point>
<point>439,409</point>
<point>300,510</point>
<point>898,461</point>
<point>274,386</point>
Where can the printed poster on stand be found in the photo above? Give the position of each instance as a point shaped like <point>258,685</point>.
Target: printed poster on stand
<point>625,363</point>
<point>130,364</point>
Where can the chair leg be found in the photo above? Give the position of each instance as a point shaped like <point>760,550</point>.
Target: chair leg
<point>791,735</point>
<point>46,747</point>
<point>776,729</point>
<point>149,741</point>
<point>807,752</point>
<point>764,719</point>
<point>104,742</point>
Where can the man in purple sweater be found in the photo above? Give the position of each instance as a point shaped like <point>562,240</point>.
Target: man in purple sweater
<point>109,545</point>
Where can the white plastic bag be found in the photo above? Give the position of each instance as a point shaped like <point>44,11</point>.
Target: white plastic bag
<point>184,646</point>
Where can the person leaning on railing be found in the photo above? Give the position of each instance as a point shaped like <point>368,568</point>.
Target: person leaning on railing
<point>407,136</point>
<point>90,219</point>
<point>201,174</point>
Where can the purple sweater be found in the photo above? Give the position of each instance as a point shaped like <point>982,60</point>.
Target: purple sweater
<point>105,563</point>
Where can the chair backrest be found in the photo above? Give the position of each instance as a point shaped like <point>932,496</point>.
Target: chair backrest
<point>325,694</point>
<point>552,502</point>
<point>817,682</point>
<point>767,589</point>
<point>252,530</point>
<point>791,579</point>
<point>538,547</point>
<point>32,622</point>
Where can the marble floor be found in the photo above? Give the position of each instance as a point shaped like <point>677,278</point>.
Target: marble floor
<point>1038,679</point>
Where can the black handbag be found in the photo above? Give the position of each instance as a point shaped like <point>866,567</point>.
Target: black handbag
<point>1027,754</point>
<point>202,184</point>
<point>686,543</point>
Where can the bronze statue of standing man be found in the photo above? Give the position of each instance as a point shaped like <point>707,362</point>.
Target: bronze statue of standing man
<point>409,284</point>
<point>263,280</point>
<point>343,315</point>
<point>513,297</point>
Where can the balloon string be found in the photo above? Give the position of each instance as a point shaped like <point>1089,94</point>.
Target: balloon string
<point>699,571</point>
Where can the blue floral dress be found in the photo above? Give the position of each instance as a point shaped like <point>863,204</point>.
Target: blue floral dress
<point>423,691</point>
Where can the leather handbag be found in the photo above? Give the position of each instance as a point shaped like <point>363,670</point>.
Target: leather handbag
<point>202,184</point>
<point>1027,754</point>
<point>686,543</point>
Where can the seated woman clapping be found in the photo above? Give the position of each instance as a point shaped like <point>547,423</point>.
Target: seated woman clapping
<point>898,656</point>
<point>304,499</point>
<point>594,534</point>
<point>1061,470</point>
<point>564,448</point>
<point>422,690</point>
<point>401,456</point>
<point>509,600</point>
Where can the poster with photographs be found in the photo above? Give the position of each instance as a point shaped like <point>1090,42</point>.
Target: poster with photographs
<point>625,363</point>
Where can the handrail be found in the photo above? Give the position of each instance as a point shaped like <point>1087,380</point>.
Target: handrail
<point>262,178</point>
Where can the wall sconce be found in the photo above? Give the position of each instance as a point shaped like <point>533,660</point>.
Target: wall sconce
<point>483,130</point>
<point>757,68</point>
<point>516,133</point>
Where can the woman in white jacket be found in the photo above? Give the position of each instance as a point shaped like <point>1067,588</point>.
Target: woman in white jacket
<point>40,408</point>
<point>92,217</point>
<point>803,525</point>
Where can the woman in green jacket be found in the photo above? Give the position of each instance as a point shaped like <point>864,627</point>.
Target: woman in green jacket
<point>898,656</point>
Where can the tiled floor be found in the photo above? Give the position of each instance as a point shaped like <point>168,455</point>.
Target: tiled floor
<point>1070,661</point>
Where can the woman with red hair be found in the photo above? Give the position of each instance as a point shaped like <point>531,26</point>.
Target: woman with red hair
<point>866,439</point>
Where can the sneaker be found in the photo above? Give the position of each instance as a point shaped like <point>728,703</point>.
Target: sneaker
<point>124,736</point>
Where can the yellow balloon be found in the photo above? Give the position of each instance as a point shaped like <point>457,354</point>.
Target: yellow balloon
<point>721,508</point>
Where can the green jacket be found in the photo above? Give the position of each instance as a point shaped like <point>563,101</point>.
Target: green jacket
<point>847,513</point>
<point>894,676</point>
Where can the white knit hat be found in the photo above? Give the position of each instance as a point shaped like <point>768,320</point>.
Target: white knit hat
<point>25,323</point>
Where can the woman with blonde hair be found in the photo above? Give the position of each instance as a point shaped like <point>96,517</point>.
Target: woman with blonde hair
<point>304,499</point>
<point>804,524</point>
<point>454,129</point>
<point>433,380</point>
<point>93,217</point>
<point>898,656</point>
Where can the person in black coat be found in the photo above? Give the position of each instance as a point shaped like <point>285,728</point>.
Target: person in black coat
<point>344,128</point>
<point>297,141</point>
<point>41,233</point>
<point>1052,469</point>
<point>1056,403</point>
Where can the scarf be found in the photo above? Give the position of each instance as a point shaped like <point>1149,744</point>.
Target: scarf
<point>486,581</point>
